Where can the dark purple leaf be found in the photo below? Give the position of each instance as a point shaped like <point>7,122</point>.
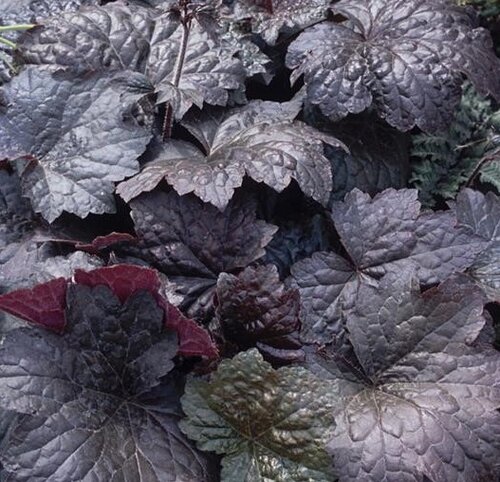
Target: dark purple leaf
<point>270,18</point>
<point>78,139</point>
<point>84,395</point>
<point>126,280</point>
<point>127,38</point>
<point>407,58</point>
<point>423,400</point>
<point>260,140</point>
<point>480,214</point>
<point>192,242</point>
<point>255,310</point>
<point>385,234</point>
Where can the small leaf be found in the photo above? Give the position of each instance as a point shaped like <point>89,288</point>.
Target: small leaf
<point>268,424</point>
<point>254,309</point>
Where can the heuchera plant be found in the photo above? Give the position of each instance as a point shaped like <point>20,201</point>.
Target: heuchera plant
<point>249,241</point>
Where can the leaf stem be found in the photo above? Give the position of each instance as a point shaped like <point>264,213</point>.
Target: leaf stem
<point>484,160</point>
<point>14,28</point>
<point>179,65</point>
<point>10,44</point>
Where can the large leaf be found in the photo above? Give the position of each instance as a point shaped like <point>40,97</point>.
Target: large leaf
<point>384,234</point>
<point>192,242</point>
<point>407,58</point>
<point>123,38</point>
<point>44,303</point>
<point>270,18</point>
<point>481,215</point>
<point>422,400</point>
<point>85,395</point>
<point>271,425</point>
<point>254,309</point>
<point>72,137</point>
<point>260,140</point>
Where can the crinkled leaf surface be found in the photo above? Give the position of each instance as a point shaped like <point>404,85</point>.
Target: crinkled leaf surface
<point>270,18</point>
<point>123,38</point>
<point>448,160</point>
<point>44,303</point>
<point>74,137</point>
<point>481,215</point>
<point>25,257</point>
<point>406,58</point>
<point>29,12</point>
<point>260,140</point>
<point>16,215</point>
<point>254,309</point>
<point>270,425</point>
<point>193,242</point>
<point>423,400</point>
<point>126,280</point>
<point>85,394</point>
<point>382,234</point>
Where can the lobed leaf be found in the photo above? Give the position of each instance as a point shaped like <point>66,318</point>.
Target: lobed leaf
<point>406,58</point>
<point>269,424</point>
<point>383,234</point>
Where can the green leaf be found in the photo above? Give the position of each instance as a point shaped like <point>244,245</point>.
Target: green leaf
<point>270,425</point>
<point>446,161</point>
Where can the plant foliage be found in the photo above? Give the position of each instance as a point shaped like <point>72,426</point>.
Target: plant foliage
<point>447,161</point>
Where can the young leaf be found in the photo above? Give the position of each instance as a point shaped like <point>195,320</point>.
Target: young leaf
<point>424,400</point>
<point>384,234</point>
<point>481,215</point>
<point>192,242</point>
<point>254,309</point>
<point>67,159</point>
<point>84,394</point>
<point>122,38</point>
<point>269,424</point>
<point>260,140</point>
<point>270,18</point>
<point>406,58</point>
